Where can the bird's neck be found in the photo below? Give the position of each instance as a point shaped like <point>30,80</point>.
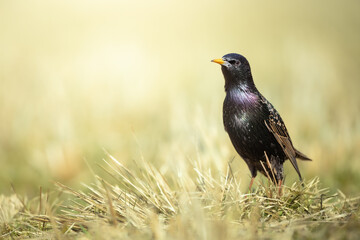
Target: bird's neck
<point>243,82</point>
<point>242,95</point>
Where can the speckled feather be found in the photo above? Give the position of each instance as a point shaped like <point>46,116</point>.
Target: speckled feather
<point>253,124</point>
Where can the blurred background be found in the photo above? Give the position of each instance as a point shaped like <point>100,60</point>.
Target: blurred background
<point>135,78</point>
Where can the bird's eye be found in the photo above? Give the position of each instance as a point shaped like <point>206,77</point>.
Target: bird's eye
<point>234,62</point>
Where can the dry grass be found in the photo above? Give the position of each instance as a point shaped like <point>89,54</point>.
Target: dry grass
<point>144,203</point>
<point>135,78</point>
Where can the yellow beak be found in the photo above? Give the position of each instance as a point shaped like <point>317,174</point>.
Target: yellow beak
<point>219,61</point>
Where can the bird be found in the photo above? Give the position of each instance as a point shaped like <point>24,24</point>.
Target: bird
<point>254,126</point>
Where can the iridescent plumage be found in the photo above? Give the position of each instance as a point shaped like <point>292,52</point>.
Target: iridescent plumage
<point>254,126</point>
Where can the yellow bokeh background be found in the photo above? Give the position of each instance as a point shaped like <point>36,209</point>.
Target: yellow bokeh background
<point>135,78</point>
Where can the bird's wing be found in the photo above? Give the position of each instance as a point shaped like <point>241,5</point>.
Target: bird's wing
<point>277,127</point>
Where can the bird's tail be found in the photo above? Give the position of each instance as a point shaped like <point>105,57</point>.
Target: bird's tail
<point>301,156</point>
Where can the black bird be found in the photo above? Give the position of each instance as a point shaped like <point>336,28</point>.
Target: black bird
<point>254,126</point>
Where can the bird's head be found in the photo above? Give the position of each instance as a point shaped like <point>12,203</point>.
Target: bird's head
<point>236,70</point>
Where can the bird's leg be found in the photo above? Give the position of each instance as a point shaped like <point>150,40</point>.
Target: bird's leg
<point>280,183</point>
<point>251,183</point>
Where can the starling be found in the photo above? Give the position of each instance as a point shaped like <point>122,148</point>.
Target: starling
<point>254,126</point>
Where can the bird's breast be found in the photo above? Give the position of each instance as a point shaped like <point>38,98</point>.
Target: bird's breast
<point>239,108</point>
<point>238,119</point>
<point>243,119</point>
